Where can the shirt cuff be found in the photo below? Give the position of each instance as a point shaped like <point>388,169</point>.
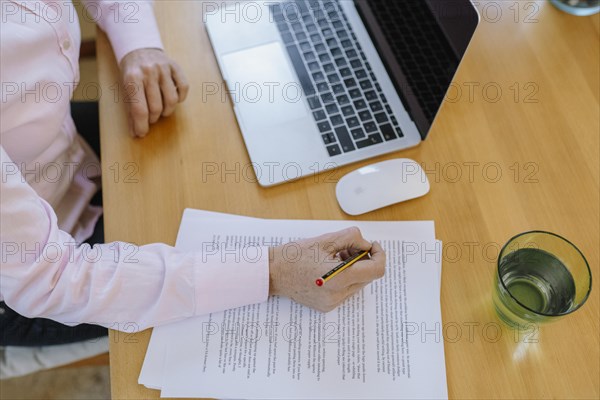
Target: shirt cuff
<point>225,280</point>
<point>136,31</point>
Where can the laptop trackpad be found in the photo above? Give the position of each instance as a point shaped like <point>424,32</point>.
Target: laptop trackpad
<point>263,85</point>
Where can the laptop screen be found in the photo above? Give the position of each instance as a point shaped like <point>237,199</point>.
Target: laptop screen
<point>421,43</point>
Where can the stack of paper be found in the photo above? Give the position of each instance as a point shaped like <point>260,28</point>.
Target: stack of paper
<point>382,343</point>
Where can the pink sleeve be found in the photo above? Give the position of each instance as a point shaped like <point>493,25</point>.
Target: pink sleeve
<point>130,25</point>
<point>117,285</point>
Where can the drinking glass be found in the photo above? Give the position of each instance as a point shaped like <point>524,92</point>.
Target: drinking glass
<point>541,277</point>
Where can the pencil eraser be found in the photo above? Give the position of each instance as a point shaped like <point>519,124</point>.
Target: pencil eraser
<point>319,282</point>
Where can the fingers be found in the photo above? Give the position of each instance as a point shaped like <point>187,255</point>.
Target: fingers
<point>363,271</point>
<point>135,98</point>
<point>153,85</point>
<point>347,239</point>
<point>344,254</point>
<point>180,80</point>
<point>170,97</point>
<point>378,256</point>
<point>154,98</point>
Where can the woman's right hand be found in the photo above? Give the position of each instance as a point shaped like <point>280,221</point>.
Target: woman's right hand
<point>294,268</point>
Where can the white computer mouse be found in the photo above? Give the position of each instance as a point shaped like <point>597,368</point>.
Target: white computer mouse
<point>380,185</point>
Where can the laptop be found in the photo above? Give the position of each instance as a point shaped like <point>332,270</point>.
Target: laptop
<point>316,84</point>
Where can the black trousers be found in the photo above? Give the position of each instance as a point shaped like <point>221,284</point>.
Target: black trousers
<point>17,330</point>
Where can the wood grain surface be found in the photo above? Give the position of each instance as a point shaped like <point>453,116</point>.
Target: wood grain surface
<point>514,148</point>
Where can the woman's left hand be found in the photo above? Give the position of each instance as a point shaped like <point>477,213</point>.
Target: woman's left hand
<point>153,85</point>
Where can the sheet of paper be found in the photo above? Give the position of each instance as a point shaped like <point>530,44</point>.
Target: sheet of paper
<point>280,349</point>
<point>152,370</point>
<point>194,222</point>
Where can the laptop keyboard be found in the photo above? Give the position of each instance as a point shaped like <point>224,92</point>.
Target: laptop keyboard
<point>347,103</point>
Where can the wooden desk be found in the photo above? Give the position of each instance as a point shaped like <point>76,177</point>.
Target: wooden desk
<point>526,161</point>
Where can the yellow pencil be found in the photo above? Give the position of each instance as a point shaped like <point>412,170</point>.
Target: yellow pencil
<point>342,266</point>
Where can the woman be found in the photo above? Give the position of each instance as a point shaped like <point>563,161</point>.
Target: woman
<point>49,176</point>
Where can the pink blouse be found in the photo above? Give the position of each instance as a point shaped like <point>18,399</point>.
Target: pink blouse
<point>48,176</point>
